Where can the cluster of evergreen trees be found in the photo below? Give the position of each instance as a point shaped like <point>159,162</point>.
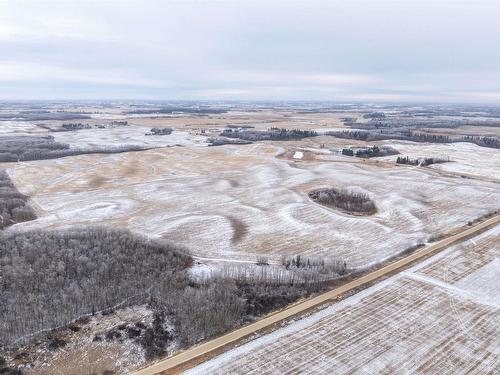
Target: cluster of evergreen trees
<point>375,151</point>
<point>407,160</point>
<point>422,161</point>
<point>368,152</point>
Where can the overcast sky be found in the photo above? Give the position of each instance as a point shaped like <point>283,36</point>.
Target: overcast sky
<point>341,51</point>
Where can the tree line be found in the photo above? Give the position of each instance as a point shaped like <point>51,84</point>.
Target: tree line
<point>25,148</point>
<point>14,207</point>
<point>76,126</point>
<point>409,135</point>
<point>270,134</point>
<point>160,131</point>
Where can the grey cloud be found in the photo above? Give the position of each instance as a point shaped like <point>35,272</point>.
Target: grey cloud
<point>325,50</point>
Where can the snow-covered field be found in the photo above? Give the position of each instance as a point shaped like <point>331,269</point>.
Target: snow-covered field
<point>13,128</point>
<point>242,201</point>
<point>433,318</point>
<point>466,158</point>
<point>234,203</point>
<point>125,135</point>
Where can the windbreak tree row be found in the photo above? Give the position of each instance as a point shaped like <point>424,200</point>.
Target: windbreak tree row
<point>25,148</point>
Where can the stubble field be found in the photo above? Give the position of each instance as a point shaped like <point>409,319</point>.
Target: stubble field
<point>241,201</point>
<point>237,203</point>
<point>422,321</point>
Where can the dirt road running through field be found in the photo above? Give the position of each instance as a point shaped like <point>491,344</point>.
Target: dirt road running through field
<point>172,365</point>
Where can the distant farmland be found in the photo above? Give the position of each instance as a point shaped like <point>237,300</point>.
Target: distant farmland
<point>195,196</point>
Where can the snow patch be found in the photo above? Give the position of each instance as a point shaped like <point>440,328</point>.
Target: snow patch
<point>485,282</point>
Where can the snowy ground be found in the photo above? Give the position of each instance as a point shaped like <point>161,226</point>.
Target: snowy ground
<point>416,322</point>
<point>237,202</point>
<point>19,128</point>
<point>466,158</point>
<point>241,201</point>
<point>84,355</point>
<point>125,135</point>
<point>234,203</point>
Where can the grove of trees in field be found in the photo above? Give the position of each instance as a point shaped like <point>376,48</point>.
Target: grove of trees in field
<point>375,151</point>
<point>353,202</point>
<point>422,161</point>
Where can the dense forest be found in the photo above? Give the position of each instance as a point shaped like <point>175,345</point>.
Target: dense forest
<point>50,278</point>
